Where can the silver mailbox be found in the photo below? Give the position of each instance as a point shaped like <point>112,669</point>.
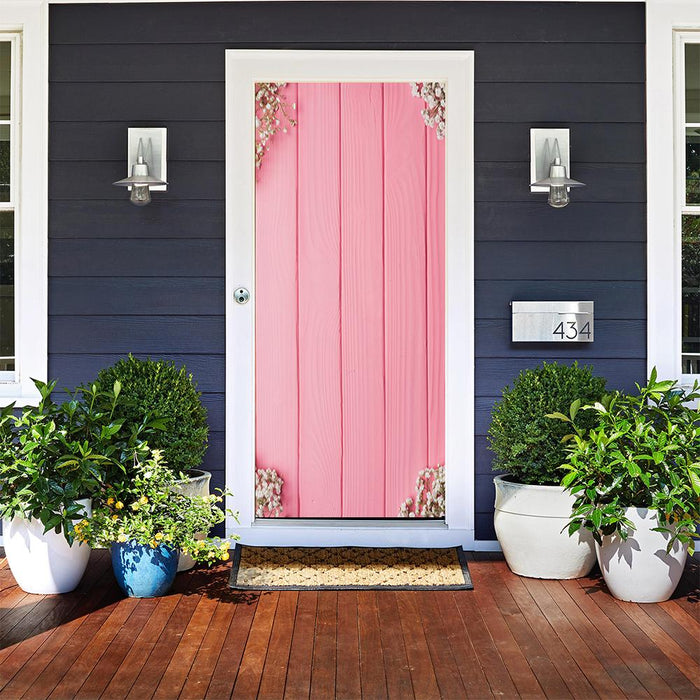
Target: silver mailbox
<point>552,321</point>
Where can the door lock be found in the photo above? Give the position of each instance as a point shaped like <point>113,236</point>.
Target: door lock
<point>241,295</point>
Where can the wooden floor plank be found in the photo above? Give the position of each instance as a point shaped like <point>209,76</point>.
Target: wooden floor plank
<point>490,660</point>
<point>43,668</point>
<point>680,657</point>
<point>208,653</point>
<point>684,618</point>
<point>140,651</point>
<point>519,669</point>
<point>545,671</point>
<point>277,660</point>
<point>651,652</point>
<point>150,675</point>
<point>561,657</point>
<point>176,672</point>
<point>655,685</point>
<point>468,665</point>
<point>224,675</point>
<point>606,654</point>
<point>324,658</point>
<point>93,651</point>
<point>372,662</point>
<point>393,647</point>
<point>587,661</point>
<point>423,678</point>
<point>35,637</point>
<point>686,635</point>
<point>100,676</point>
<point>347,674</point>
<point>253,661</point>
<point>60,665</point>
<point>448,678</point>
<point>298,684</point>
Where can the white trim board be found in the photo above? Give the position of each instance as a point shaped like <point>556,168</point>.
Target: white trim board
<point>31,272</point>
<point>664,22</point>
<point>243,69</point>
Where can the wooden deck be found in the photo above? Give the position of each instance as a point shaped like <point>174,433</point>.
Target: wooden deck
<point>509,637</point>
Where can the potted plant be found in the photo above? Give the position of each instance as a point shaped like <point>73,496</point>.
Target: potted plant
<point>148,524</point>
<point>160,389</point>
<point>53,459</point>
<point>635,477</point>
<point>531,508</point>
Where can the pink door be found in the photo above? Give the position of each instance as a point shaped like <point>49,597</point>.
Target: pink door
<point>350,279</point>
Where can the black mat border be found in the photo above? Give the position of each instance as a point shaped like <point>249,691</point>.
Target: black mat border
<point>461,556</point>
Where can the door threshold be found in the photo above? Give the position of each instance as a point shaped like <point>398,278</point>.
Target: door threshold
<point>347,523</point>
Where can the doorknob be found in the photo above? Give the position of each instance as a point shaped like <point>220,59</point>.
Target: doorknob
<point>241,295</point>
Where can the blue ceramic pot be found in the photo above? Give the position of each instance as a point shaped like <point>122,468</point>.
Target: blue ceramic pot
<point>142,571</point>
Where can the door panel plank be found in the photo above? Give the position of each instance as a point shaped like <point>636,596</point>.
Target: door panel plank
<point>362,295</point>
<point>435,291</point>
<point>320,440</point>
<point>405,275</point>
<point>276,379</point>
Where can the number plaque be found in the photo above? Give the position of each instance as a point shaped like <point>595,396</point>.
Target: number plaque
<point>552,321</point>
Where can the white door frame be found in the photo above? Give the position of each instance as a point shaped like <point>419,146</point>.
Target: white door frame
<point>456,68</point>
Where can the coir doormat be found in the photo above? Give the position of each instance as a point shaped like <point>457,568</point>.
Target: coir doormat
<point>348,568</point>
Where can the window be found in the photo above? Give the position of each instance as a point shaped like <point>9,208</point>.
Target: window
<point>23,199</point>
<point>690,212</point>
<point>8,198</point>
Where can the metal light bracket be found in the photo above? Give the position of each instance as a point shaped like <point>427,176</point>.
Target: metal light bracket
<point>155,146</point>
<point>541,147</point>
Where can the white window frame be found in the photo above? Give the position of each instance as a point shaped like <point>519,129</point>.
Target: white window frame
<point>665,22</point>
<point>681,40</point>
<point>27,21</point>
<point>243,69</point>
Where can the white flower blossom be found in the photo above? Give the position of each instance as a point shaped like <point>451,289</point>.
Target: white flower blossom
<point>270,105</point>
<point>268,493</point>
<point>433,94</point>
<point>430,495</point>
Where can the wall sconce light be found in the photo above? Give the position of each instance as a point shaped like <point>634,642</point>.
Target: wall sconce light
<point>549,164</point>
<point>147,164</point>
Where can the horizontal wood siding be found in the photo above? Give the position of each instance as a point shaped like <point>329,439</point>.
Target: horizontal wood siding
<point>151,280</point>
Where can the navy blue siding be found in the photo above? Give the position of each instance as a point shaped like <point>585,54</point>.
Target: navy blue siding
<point>151,280</point>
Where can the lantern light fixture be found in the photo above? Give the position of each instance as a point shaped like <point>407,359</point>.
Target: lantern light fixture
<point>549,163</point>
<point>146,161</point>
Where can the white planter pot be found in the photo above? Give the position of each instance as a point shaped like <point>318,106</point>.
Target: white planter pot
<point>196,485</point>
<point>638,569</point>
<point>44,563</point>
<point>531,526</point>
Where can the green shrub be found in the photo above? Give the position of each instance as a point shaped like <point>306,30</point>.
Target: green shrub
<point>159,389</point>
<point>644,452</point>
<point>527,444</point>
<point>52,455</point>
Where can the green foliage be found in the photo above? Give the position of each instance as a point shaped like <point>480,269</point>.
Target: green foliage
<point>54,454</point>
<point>527,445</point>
<point>644,452</point>
<point>160,389</point>
<point>152,510</point>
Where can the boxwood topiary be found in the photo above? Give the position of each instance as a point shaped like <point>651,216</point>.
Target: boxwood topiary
<point>159,389</point>
<point>526,443</point>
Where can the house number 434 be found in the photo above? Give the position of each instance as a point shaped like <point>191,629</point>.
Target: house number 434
<point>572,330</point>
